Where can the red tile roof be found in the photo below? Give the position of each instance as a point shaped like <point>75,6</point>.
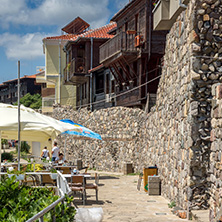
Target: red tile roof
<point>100,33</point>
<point>63,37</point>
<point>24,77</point>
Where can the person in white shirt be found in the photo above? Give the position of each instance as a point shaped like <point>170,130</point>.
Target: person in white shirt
<point>45,153</point>
<point>55,152</point>
<point>61,159</point>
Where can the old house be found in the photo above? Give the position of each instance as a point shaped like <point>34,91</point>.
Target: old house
<point>8,90</point>
<point>53,89</point>
<point>134,55</point>
<point>82,55</point>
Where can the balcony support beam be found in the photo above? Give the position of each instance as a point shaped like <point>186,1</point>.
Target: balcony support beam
<point>118,73</point>
<point>130,67</point>
<point>125,70</point>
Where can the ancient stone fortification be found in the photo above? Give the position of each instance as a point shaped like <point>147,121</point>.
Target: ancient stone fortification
<point>175,135</point>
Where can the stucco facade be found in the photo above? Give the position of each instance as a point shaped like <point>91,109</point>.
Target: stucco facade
<point>53,78</point>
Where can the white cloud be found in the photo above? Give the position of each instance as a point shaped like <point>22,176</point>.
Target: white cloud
<point>54,12</point>
<point>26,47</point>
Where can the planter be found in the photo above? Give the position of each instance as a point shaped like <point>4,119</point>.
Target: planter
<point>18,177</point>
<point>53,176</point>
<point>5,146</point>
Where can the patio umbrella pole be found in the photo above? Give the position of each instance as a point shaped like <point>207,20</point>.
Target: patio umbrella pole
<point>65,149</point>
<point>19,116</point>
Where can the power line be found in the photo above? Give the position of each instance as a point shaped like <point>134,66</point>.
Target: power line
<point>131,79</point>
<point>128,91</point>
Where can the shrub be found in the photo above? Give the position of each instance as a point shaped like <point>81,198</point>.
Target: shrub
<point>4,141</point>
<point>20,203</point>
<point>7,156</point>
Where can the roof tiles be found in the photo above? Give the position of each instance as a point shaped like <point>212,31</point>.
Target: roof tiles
<point>101,33</point>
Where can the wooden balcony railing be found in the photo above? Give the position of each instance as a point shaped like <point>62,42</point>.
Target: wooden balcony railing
<point>123,41</point>
<point>76,66</point>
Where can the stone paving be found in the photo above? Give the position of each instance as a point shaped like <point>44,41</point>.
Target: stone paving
<point>121,201</point>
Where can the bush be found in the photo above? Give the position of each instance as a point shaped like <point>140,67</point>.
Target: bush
<point>32,101</point>
<point>20,203</point>
<point>4,141</point>
<point>7,156</point>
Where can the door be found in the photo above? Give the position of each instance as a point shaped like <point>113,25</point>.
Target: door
<point>36,149</point>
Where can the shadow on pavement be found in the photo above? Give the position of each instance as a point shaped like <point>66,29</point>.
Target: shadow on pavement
<point>107,177</point>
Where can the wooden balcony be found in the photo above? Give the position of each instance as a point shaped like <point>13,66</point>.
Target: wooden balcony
<point>75,72</point>
<point>129,99</point>
<point>122,44</point>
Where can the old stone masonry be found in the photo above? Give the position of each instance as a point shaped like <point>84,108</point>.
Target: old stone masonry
<point>182,133</point>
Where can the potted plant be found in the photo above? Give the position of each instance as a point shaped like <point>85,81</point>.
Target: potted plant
<point>18,174</point>
<point>53,173</point>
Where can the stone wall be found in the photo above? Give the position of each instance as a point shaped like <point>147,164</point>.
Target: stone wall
<point>175,135</point>
<point>121,131</point>
<point>215,167</point>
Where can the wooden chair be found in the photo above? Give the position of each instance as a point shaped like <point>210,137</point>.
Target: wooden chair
<point>46,179</point>
<point>66,170</point>
<point>78,185</point>
<point>94,186</point>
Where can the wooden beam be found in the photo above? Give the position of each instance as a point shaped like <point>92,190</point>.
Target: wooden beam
<point>125,70</point>
<point>130,67</point>
<point>119,74</point>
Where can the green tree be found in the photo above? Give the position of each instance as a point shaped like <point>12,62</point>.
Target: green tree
<point>32,101</point>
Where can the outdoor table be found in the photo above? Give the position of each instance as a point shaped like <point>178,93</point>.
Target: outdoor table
<point>69,176</point>
<point>64,168</point>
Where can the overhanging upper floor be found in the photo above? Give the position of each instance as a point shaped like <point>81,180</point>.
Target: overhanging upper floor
<point>166,12</point>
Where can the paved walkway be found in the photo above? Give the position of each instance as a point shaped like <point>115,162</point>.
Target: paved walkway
<point>122,202</point>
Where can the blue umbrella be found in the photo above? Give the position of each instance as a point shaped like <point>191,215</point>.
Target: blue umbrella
<point>84,132</point>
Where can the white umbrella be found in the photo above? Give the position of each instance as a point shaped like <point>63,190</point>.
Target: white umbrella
<point>34,126</point>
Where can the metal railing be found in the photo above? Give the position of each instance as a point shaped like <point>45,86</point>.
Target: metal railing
<point>120,42</point>
<point>62,184</point>
<point>40,216</point>
<point>64,189</point>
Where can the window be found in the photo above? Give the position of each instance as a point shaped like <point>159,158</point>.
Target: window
<point>136,23</point>
<point>78,93</point>
<point>107,83</point>
<point>126,26</point>
<point>99,83</point>
<point>84,91</point>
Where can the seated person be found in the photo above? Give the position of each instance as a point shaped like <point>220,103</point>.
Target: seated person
<point>61,159</point>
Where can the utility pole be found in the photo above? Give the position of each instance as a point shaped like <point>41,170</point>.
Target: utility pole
<point>19,142</point>
<point>91,66</point>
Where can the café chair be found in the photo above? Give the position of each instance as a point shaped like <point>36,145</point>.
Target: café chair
<point>94,186</point>
<point>46,179</point>
<point>78,185</point>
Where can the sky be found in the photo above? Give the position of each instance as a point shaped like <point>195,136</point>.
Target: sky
<point>24,23</point>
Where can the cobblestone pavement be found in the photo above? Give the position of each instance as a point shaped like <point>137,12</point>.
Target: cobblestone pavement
<point>122,202</point>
